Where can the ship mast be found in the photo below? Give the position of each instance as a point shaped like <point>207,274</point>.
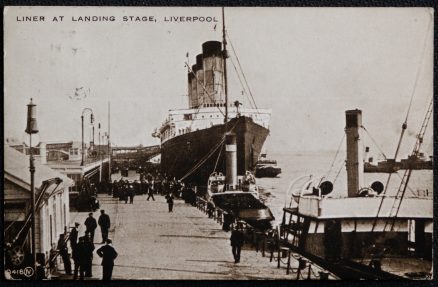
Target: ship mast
<point>225,56</point>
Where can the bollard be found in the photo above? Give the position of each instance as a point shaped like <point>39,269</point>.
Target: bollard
<point>263,244</point>
<point>301,263</point>
<point>256,236</point>
<point>272,255</point>
<point>309,271</point>
<point>288,262</point>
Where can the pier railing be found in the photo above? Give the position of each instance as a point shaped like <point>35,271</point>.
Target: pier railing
<point>271,242</point>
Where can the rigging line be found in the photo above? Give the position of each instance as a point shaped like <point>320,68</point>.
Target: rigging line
<point>203,160</point>
<point>336,155</point>
<point>419,68</point>
<point>339,171</point>
<point>10,225</point>
<point>207,156</point>
<point>240,80</point>
<point>196,112</point>
<point>204,88</point>
<point>410,189</point>
<point>408,172</point>
<point>243,74</point>
<point>217,160</point>
<point>375,143</point>
<point>404,126</point>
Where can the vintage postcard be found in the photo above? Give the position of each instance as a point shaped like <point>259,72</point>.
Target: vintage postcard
<point>218,143</point>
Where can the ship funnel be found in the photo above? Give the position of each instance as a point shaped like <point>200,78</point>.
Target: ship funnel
<point>213,72</point>
<point>199,81</point>
<point>193,101</point>
<point>190,77</point>
<point>231,160</point>
<point>354,152</point>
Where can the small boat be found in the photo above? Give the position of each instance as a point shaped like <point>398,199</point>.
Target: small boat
<point>266,167</point>
<point>238,195</point>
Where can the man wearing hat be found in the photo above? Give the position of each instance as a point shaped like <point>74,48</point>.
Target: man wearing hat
<point>74,236</point>
<point>91,225</point>
<point>108,254</point>
<point>105,224</point>
<point>237,240</point>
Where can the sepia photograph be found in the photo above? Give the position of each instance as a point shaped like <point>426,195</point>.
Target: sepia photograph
<point>218,143</point>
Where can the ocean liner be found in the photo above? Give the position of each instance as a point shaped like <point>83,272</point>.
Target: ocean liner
<point>192,138</point>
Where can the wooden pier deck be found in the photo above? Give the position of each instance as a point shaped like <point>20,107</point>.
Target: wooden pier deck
<point>185,244</point>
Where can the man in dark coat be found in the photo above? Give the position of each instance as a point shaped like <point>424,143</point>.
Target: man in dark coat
<point>108,254</point>
<point>104,223</point>
<point>91,225</point>
<point>169,199</point>
<point>237,240</point>
<point>151,193</point>
<point>132,192</point>
<point>63,252</point>
<point>88,260</point>
<point>74,236</point>
<point>79,256</point>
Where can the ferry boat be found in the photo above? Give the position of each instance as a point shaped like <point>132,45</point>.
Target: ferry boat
<point>362,233</point>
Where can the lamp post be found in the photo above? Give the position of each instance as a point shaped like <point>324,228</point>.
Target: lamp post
<point>32,128</point>
<point>99,154</point>
<point>82,121</point>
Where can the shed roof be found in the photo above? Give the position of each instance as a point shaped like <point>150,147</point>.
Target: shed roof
<point>16,165</point>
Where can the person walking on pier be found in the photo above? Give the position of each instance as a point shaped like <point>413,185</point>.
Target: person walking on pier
<point>108,254</point>
<point>127,191</point>
<point>132,193</point>
<point>91,225</point>
<point>151,193</point>
<point>169,199</point>
<point>104,223</point>
<point>237,240</point>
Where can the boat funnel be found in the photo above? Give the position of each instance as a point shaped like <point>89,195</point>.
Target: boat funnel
<point>193,101</point>
<point>213,72</point>
<point>354,162</point>
<point>231,160</point>
<point>190,77</point>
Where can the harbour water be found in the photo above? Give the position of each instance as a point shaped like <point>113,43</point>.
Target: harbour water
<point>294,164</point>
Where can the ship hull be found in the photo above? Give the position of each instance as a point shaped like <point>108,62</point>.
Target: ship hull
<point>181,154</point>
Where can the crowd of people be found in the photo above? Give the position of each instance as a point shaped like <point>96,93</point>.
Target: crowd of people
<point>82,248</point>
<point>151,185</point>
<point>125,190</point>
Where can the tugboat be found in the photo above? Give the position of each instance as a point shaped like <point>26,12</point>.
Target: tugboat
<point>238,195</point>
<point>266,167</point>
<point>362,233</point>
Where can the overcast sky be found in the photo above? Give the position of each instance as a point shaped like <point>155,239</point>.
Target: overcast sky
<point>308,65</point>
